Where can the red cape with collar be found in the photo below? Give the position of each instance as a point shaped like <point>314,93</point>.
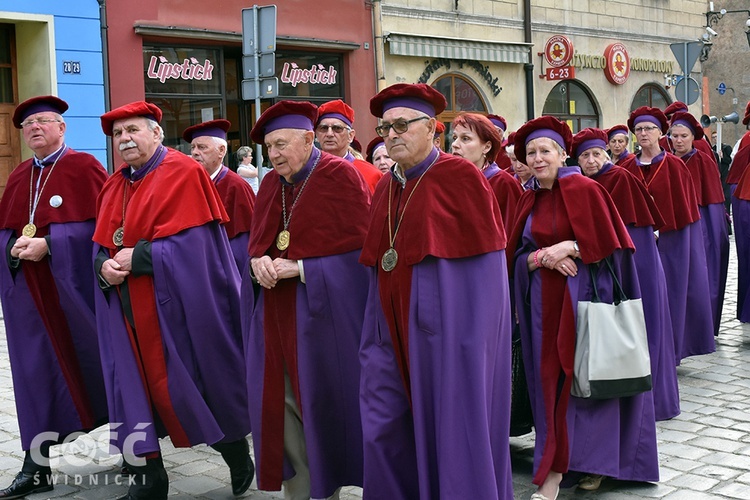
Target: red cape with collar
<point>319,225</point>
<point>700,144</point>
<point>503,161</point>
<point>178,194</point>
<point>631,198</point>
<point>706,179</point>
<point>742,191</point>
<point>507,191</point>
<point>671,186</point>
<point>75,173</point>
<point>739,164</point>
<point>454,231</point>
<point>239,201</point>
<point>370,173</point>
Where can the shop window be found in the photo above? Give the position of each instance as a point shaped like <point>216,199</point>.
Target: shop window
<point>650,95</point>
<point>316,77</point>
<point>570,102</point>
<point>461,95</point>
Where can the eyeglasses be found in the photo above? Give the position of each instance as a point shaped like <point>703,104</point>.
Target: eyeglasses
<point>40,121</point>
<point>337,129</point>
<point>638,130</point>
<point>399,126</point>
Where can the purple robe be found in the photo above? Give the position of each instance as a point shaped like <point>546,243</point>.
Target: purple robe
<point>613,437</point>
<point>459,351</point>
<point>741,216</point>
<point>683,255</point>
<point>653,285</point>
<point>329,314</point>
<point>239,245</point>
<point>196,287</point>
<point>42,395</point>
<point>716,241</point>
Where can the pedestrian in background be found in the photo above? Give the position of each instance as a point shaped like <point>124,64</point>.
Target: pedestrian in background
<point>246,169</point>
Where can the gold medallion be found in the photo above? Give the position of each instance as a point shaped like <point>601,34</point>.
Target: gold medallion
<point>389,260</point>
<point>29,230</point>
<point>282,240</point>
<point>118,237</point>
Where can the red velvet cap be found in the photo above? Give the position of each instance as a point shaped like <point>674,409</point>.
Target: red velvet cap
<point>439,128</point>
<point>674,108</point>
<point>137,108</point>
<point>589,138</point>
<point>374,144</point>
<point>498,121</point>
<point>336,109</point>
<point>510,140</point>
<point>356,145</point>
<point>746,120</point>
<point>213,128</point>
<point>419,96</point>
<point>284,114</point>
<point>544,126</point>
<point>36,105</point>
<point>651,115</point>
<point>684,118</point>
<point>617,129</point>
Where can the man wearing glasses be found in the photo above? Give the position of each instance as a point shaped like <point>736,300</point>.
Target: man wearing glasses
<point>47,286</point>
<point>334,133</point>
<point>435,352</point>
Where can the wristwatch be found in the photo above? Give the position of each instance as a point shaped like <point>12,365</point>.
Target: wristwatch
<point>575,247</point>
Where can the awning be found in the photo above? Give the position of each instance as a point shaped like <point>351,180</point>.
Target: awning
<point>446,48</point>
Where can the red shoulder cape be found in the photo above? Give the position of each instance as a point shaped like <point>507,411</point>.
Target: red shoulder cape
<point>369,172</point>
<point>435,224</point>
<point>671,187</point>
<point>744,140</point>
<point>503,161</point>
<point>631,198</point>
<point>739,164</point>
<point>507,192</point>
<point>706,179</point>
<point>77,179</point>
<point>330,217</point>
<point>239,201</point>
<point>178,194</point>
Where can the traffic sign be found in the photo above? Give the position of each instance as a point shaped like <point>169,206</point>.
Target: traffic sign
<point>687,90</point>
<point>264,41</point>
<point>269,88</point>
<point>722,88</point>
<point>686,54</point>
<point>266,66</point>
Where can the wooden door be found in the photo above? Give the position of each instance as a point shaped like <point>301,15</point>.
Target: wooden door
<point>10,137</point>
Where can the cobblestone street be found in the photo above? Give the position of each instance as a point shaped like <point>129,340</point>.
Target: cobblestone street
<point>704,452</point>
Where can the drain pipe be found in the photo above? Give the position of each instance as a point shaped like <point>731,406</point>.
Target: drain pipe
<point>528,67</point>
<point>379,45</point>
<point>105,66</point>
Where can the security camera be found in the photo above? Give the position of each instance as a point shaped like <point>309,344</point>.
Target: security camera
<point>711,31</point>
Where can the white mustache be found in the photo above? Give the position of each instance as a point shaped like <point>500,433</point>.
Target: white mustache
<point>126,145</point>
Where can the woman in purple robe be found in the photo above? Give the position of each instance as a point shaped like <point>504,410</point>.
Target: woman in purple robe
<point>641,218</point>
<point>566,225</point>
<point>710,195</point>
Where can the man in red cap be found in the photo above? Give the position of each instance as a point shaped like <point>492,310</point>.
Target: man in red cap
<point>435,354</point>
<point>208,146</point>
<point>46,222</point>
<point>304,334</point>
<point>334,133</point>
<point>168,309</point>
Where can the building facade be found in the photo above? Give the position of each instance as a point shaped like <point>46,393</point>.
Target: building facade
<point>51,47</point>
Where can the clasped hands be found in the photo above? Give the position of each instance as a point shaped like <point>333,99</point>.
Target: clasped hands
<point>559,257</point>
<point>268,272</point>
<point>116,269</point>
<point>26,248</point>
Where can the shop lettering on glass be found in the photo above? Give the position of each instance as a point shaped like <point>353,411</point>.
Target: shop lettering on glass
<point>484,71</point>
<point>159,68</point>
<point>292,74</point>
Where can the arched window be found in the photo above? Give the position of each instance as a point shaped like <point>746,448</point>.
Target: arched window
<point>570,102</point>
<point>650,95</point>
<point>461,95</point>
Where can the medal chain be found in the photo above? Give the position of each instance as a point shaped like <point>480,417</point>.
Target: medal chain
<point>35,197</point>
<point>391,233</point>
<point>296,199</point>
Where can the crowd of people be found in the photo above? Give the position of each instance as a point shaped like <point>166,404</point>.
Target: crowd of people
<point>353,314</point>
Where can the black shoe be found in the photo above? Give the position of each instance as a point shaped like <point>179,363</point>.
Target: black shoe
<point>27,483</point>
<point>150,481</point>
<point>242,478</point>
<point>241,467</point>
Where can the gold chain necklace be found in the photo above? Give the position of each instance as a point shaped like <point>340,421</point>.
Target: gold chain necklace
<point>390,257</point>
<point>282,240</point>
<point>29,229</point>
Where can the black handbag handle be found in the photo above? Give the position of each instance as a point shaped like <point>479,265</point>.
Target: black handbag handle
<point>619,294</point>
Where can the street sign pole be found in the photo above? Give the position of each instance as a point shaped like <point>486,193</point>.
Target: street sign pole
<point>256,65</point>
<point>686,70</point>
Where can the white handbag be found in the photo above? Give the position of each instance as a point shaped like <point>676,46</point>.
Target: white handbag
<point>611,358</point>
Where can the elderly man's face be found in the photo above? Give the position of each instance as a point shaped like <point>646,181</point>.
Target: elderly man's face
<point>208,152</point>
<point>43,132</point>
<point>134,141</point>
<point>334,136</point>
<point>413,146</point>
<point>288,150</point>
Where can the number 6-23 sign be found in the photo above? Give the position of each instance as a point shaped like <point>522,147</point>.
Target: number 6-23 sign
<point>72,67</point>
<point>564,73</point>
